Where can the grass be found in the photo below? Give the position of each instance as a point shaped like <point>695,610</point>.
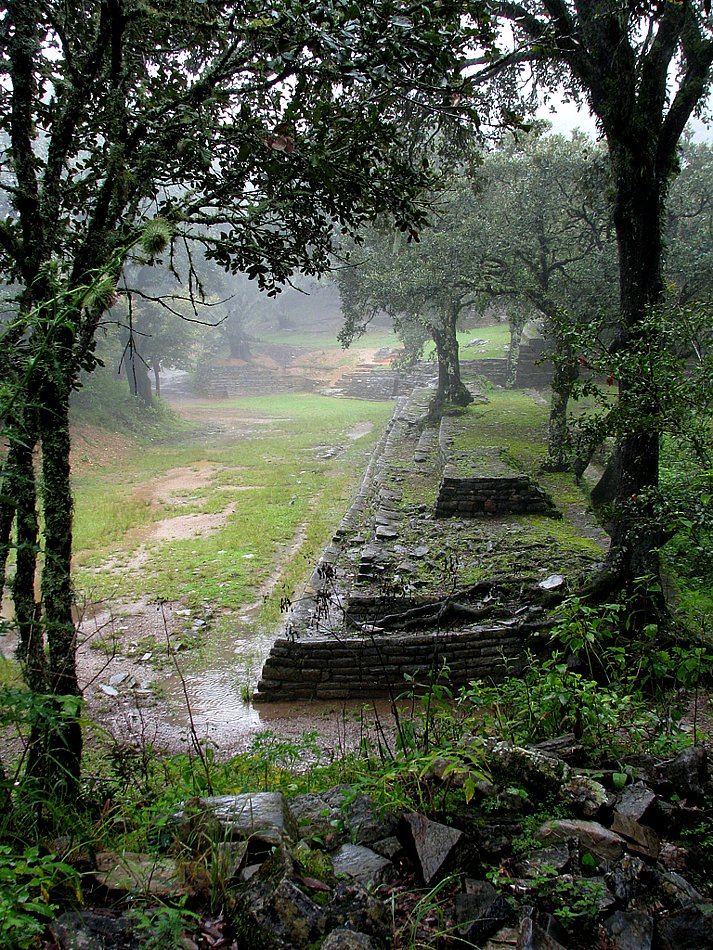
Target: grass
<point>496,337</point>
<point>289,488</point>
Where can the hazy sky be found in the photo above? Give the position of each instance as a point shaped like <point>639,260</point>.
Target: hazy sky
<point>567,117</point>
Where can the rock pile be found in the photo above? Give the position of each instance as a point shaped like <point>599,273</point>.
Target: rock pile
<point>607,870</point>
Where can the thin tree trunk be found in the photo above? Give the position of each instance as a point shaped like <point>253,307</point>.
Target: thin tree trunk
<point>157,378</point>
<point>61,747</point>
<point>516,331</point>
<point>138,377</point>
<point>564,376</point>
<point>8,502</point>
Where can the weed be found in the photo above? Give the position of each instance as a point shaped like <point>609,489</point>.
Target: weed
<point>163,927</point>
<point>29,884</point>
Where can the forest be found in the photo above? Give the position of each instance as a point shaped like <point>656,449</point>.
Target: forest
<point>356,474</point>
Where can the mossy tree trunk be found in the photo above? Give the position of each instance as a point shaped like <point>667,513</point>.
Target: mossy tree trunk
<point>451,389</point>
<point>636,536</point>
<point>55,755</point>
<point>30,646</point>
<point>564,377</point>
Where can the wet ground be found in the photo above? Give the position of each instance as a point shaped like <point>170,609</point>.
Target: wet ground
<point>166,673</point>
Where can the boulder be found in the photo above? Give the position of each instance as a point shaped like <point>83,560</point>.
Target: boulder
<point>673,857</point>
<point>86,930</point>
<point>565,747</point>
<point>360,863</point>
<point>627,878</point>
<point>585,795</point>
<point>557,857</point>
<point>636,802</point>
<point>262,814</point>
<point>629,931</point>
<point>481,912</point>
<point>537,770</point>
<point>278,915</point>
<point>674,890</point>
<point>689,929</point>
<point>343,939</point>
<point>365,822</point>
<point>639,838</point>
<point>591,836</point>
<point>313,815</point>
<point>142,874</point>
<point>434,844</point>
<point>504,939</point>
<point>390,847</point>
<point>533,937</point>
<point>686,775</point>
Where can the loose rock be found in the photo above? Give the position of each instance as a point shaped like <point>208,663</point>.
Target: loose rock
<point>434,844</point>
<point>364,865</point>
<point>592,837</point>
<point>630,931</point>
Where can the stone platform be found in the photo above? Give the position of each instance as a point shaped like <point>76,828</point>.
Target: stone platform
<point>401,590</point>
<point>485,484</point>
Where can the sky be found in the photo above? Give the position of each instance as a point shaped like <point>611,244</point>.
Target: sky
<point>568,116</point>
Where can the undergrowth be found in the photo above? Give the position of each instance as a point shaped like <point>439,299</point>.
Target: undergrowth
<point>618,695</point>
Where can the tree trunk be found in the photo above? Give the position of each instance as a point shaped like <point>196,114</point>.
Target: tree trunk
<point>516,331</point>
<point>57,756</point>
<point>30,646</point>
<point>138,377</point>
<point>157,377</point>
<point>638,221</point>
<point>239,346</point>
<point>564,376</point>
<point>451,388</point>
<point>7,508</point>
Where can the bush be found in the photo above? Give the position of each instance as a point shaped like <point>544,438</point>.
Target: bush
<point>105,401</point>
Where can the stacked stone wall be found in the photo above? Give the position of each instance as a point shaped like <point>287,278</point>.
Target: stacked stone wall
<point>497,490</point>
<point>502,494</point>
<point>534,367</point>
<point>223,381</point>
<point>361,667</point>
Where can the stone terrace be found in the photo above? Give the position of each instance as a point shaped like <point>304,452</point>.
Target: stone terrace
<point>485,485</point>
<point>401,591</point>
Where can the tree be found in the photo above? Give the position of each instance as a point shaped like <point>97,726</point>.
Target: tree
<point>689,226</point>
<point>254,134</point>
<point>430,284</point>
<point>543,238</point>
<point>643,68</point>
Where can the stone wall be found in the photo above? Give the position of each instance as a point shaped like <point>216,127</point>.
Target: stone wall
<point>376,381</point>
<point>361,667</point>
<point>482,495</point>
<point>225,380</point>
<point>534,368</point>
<point>494,370</point>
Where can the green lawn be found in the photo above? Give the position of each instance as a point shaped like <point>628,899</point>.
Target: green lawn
<point>287,488</point>
<point>496,338</point>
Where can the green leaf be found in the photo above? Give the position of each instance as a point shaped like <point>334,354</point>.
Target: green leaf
<point>619,779</point>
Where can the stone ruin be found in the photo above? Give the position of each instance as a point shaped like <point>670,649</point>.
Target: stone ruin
<point>339,640</point>
<point>494,489</point>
